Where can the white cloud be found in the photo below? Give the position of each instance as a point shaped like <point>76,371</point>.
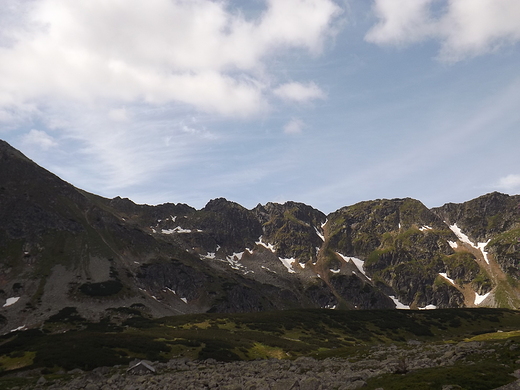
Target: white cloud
<point>401,21</point>
<point>299,92</point>
<point>509,182</point>
<point>40,139</point>
<point>464,28</point>
<point>118,115</point>
<point>196,52</point>
<point>294,126</point>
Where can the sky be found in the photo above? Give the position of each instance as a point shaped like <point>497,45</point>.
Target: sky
<point>325,102</point>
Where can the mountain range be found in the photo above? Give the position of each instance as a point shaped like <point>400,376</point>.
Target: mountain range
<point>63,247</point>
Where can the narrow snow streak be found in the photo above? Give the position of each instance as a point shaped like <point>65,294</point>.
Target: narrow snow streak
<point>319,234</point>
<point>399,305</point>
<point>11,301</point>
<point>445,276</point>
<point>178,229</point>
<point>464,238</point>
<point>358,263</point>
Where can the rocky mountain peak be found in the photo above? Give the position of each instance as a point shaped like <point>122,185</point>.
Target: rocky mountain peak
<point>61,246</point>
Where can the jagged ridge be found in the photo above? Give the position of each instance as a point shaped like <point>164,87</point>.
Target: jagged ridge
<point>61,246</point>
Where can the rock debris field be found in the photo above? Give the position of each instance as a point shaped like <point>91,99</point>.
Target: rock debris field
<point>303,373</point>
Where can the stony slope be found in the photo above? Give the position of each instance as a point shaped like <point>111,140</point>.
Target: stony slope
<point>61,246</point>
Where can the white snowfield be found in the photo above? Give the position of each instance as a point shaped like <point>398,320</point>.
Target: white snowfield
<point>480,298</point>
<point>319,234</point>
<point>445,276</point>
<point>11,301</point>
<point>288,264</point>
<point>271,247</point>
<point>464,238</point>
<point>402,306</point>
<point>178,229</point>
<point>358,262</point>
<point>399,305</point>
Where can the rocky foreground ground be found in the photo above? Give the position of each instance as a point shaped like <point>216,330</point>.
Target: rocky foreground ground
<point>301,374</point>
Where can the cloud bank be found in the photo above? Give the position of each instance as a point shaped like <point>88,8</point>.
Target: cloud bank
<point>200,52</point>
<point>464,28</point>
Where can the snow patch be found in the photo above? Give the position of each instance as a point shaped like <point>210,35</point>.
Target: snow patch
<point>17,329</point>
<point>319,234</point>
<point>324,223</point>
<point>453,244</point>
<point>445,276</point>
<point>480,298</point>
<point>268,269</point>
<point>234,261</point>
<point>399,305</point>
<point>235,264</point>
<point>184,300</point>
<point>335,271</point>
<point>11,301</point>
<point>288,264</point>
<point>481,246</point>
<point>428,307</point>
<point>358,263</point>
<point>170,290</point>
<point>178,229</point>
<point>210,255</point>
<point>266,245</point>
<point>425,227</point>
<point>464,238</point>
<point>461,236</point>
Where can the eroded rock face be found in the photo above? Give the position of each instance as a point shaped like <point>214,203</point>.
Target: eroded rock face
<point>61,244</point>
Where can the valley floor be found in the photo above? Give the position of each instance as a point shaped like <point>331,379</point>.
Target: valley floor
<point>414,365</point>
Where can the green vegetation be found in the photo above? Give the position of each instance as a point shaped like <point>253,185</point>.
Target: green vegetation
<point>287,334</point>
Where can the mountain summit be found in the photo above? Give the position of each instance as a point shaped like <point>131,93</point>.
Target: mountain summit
<point>64,247</point>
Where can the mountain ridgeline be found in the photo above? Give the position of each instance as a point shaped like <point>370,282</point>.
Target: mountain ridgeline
<point>63,247</point>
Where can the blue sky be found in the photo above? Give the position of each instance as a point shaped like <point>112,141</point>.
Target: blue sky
<point>319,101</point>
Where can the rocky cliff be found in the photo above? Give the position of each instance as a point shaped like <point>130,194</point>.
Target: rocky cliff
<point>61,246</point>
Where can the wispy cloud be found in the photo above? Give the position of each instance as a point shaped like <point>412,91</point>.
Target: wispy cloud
<point>40,139</point>
<point>198,53</point>
<point>119,79</point>
<point>294,126</point>
<point>464,28</point>
<point>509,183</point>
<point>299,92</point>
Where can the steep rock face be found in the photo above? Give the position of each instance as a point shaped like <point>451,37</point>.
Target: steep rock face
<point>294,227</point>
<point>220,225</point>
<point>61,246</point>
<point>493,219</point>
<point>404,245</point>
